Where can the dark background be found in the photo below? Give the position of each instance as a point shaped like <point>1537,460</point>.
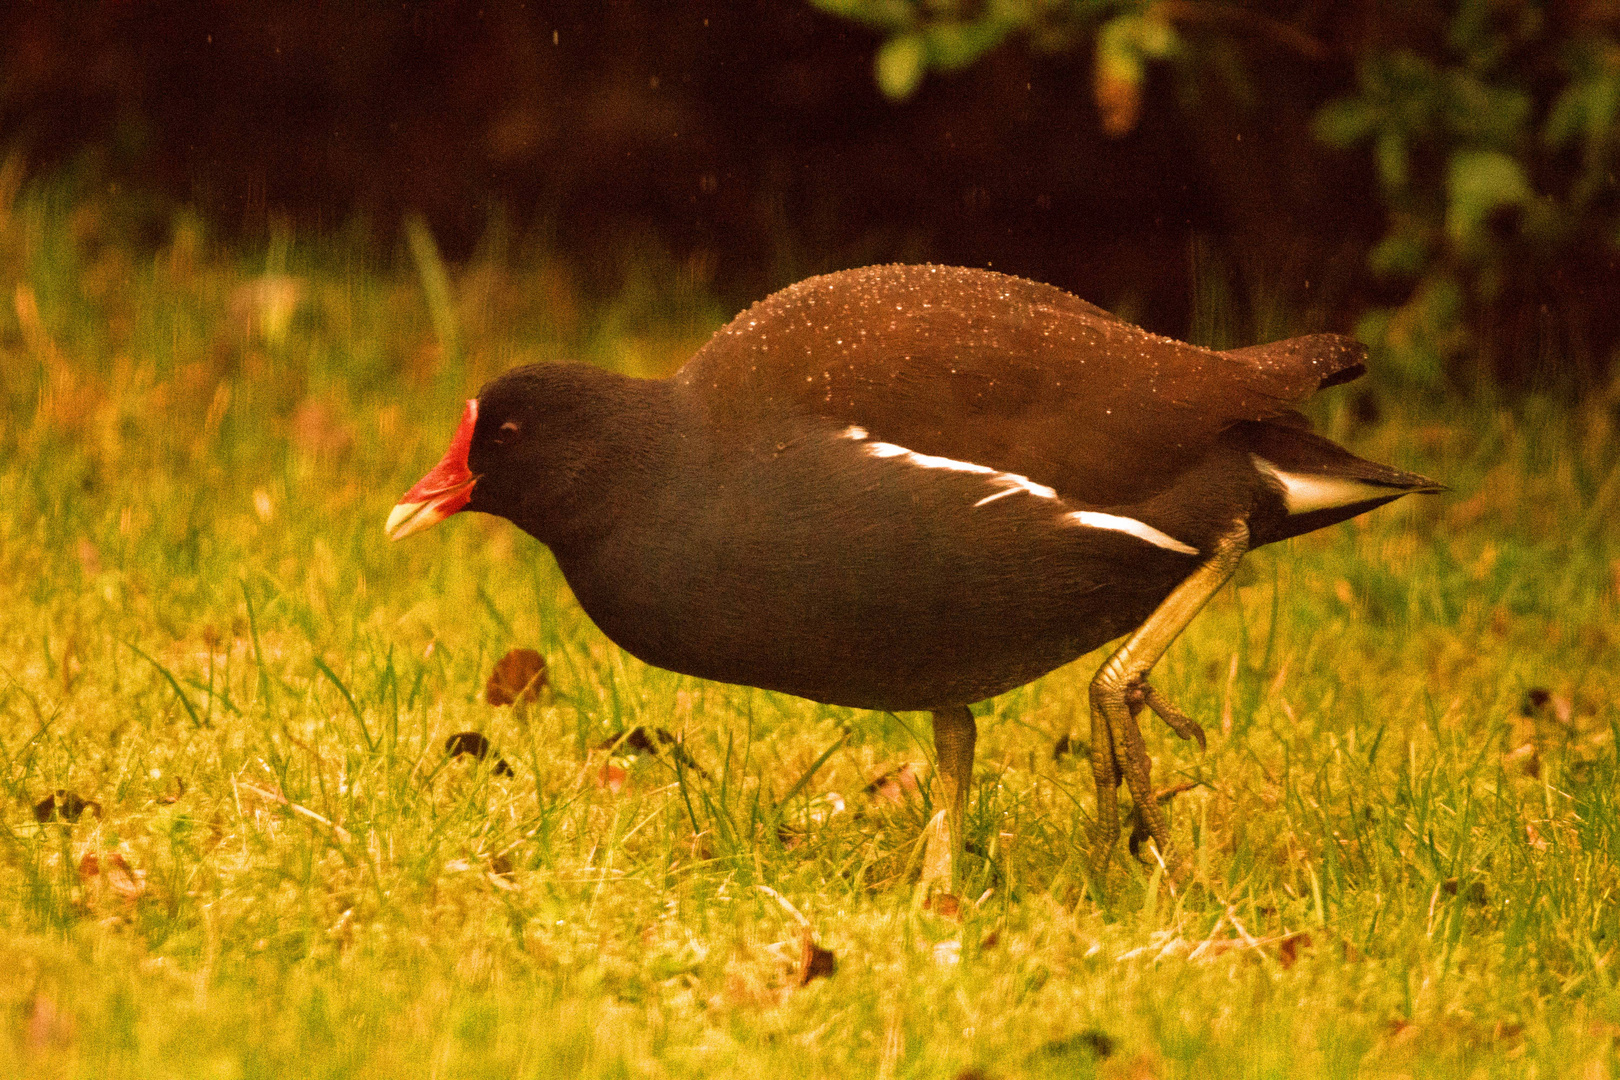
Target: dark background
<point>746,140</point>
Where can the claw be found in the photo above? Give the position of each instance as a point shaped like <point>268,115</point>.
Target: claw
<point>1140,832</point>
<point>1179,722</point>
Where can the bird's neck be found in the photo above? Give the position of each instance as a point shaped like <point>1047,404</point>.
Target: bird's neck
<point>625,438</point>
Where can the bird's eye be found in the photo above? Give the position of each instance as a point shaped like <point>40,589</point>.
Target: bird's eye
<point>511,427</point>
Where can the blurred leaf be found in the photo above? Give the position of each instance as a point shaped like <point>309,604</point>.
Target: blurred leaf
<point>1485,114</point>
<point>900,65</point>
<point>1117,79</point>
<point>474,743</point>
<point>815,962</point>
<point>885,14</point>
<point>1419,339</point>
<point>641,740</point>
<point>955,45</point>
<point>1479,182</point>
<point>1404,252</point>
<point>64,805</point>
<point>1345,122</point>
<point>1124,45</point>
<point>1391,153</point>
<point>1587,107</point>
<point>519,675</point>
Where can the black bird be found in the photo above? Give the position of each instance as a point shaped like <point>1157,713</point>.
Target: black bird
<point>914,488</point>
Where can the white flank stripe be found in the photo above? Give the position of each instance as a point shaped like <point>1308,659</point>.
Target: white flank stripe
<point>1002,494</point>
<point>1139,529</point>
<point>1006,483</point>
<point>1303,493</point>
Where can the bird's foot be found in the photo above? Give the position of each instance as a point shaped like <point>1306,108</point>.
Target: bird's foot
<point>1140,832</point>
<point>1139,693</point>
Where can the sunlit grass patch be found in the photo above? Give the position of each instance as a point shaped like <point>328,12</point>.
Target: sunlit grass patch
<point>1402,836</point>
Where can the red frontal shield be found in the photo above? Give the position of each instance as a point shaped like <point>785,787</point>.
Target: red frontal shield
<point>444,490</point>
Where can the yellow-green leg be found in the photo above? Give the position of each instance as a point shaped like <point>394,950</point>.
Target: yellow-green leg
<point>954,736</point>
<point>1117,749</point>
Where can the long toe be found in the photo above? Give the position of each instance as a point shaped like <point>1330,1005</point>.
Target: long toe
<point>1182,724</point>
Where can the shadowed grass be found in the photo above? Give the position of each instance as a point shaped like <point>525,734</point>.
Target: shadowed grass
<point>1402,836</point>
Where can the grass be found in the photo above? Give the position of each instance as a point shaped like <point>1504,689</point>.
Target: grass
<point>1403,837</point>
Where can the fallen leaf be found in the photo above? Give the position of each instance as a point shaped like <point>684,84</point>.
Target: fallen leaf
<point>1067,744</point>
<point>518,676</point>
<point>611,777</point>
<point>1533,835</point>
<point>1091,1042</point>
<point>1526,758</point>
<point>816,962</point>
<point>124,880</point>
<point>1535,699</point>
<point>114,872</point>
<point>318,430</point>
<point>895,786</point>
<point>472,742</point>
<point>65,806</point>
<point>48,1025</point>
<point>639,740</point>
<point>1289,948</point>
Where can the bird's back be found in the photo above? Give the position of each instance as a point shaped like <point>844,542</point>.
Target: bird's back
<point>1001,371</point>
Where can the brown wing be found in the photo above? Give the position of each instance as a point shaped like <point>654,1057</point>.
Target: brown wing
<point>1004,372</point>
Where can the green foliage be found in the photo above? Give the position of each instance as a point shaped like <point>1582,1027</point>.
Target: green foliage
<point>1493,129</point>
<point>1493,171</point>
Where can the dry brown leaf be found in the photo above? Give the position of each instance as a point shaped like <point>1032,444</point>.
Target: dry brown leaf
<point>474,743</point>
<point>815,962</point>
<point>1289,948</point>
<point>895,786</point>
<point>1091,1042</point>
<point>122,878</point>
<point>112,871</point>
<point>1526,758</point>
<point>48,1026</point>
<point>640,740</point>
<point>65,806</point>
<point>518,676</point>
<point>611,777</point>
<point>1068,744</point>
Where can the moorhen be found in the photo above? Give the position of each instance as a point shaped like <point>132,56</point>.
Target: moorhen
<point>914,488</point>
